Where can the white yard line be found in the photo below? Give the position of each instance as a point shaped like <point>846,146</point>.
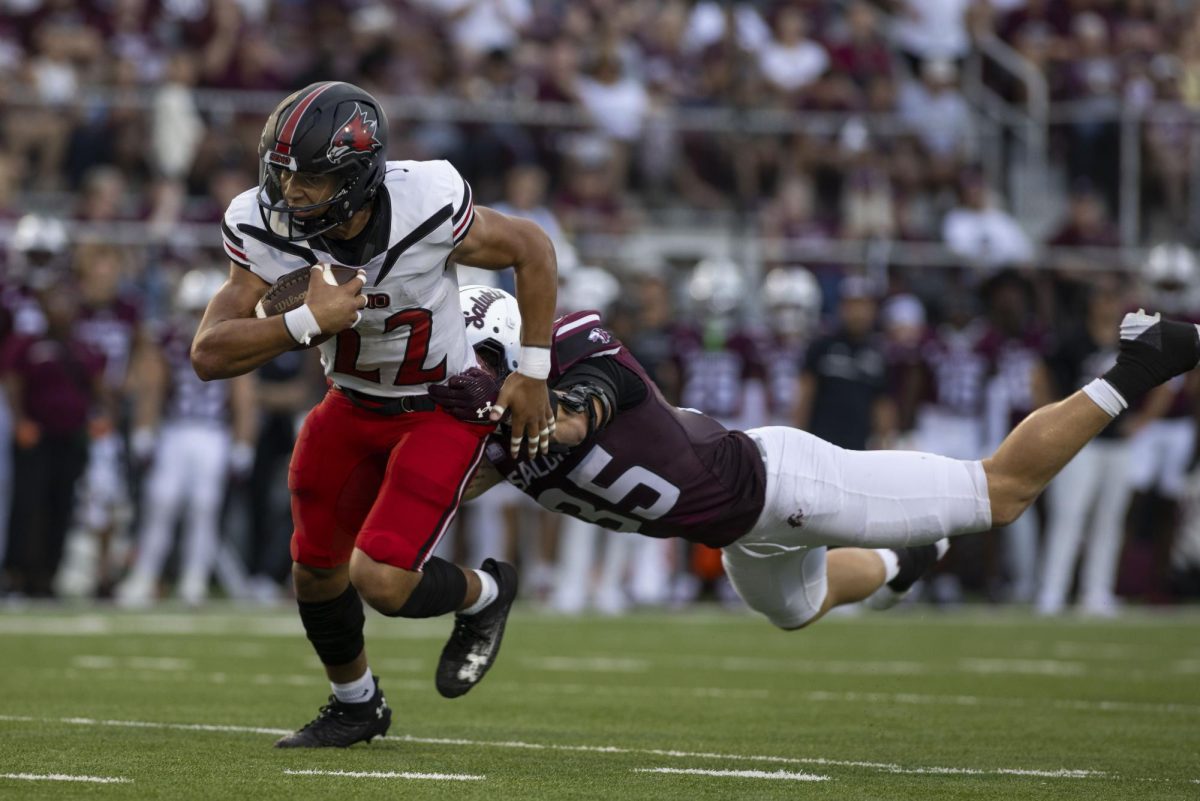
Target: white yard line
<point>885,767</point>
<point>146,724</point>
<point>1000,701</point>
<point>587,664</point>
<point>390,774</point>
<point>187,625</point>
<point>1022,667</point>
<point>740,774</point>
<point>104,671</point>
<point>65,777</point>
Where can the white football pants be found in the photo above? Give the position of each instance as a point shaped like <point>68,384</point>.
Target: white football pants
<point>191,464</point>
<point>1094,481</point>
<point>818,494</point>
<point>574,589</point>
<point>1159,454</point>
<point>105,497</point>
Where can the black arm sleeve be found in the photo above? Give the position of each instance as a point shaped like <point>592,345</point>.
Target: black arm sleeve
<point>623,388</point>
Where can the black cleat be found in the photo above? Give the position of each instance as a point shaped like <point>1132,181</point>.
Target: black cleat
<point>475,641</point>
<point>914,563</point>
<point>340,725</point>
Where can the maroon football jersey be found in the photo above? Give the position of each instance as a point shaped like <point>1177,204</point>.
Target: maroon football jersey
<point>111,329</point>
<point>958,366</point>
<point>1014,358</point>
<point>655,469</point>
<point>714,378</point>
<point>782,362</point>
<point>189,400</point>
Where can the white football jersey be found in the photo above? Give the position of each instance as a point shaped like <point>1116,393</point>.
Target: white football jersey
<point>411,334</point>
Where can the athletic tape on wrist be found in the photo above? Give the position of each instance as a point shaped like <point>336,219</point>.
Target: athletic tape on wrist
<point>301,324</point>
<point>534,362</point>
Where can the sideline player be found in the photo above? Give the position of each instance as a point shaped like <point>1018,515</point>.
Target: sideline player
<point>773,498</point>
<point>190,435</point>
<point>377,472</point>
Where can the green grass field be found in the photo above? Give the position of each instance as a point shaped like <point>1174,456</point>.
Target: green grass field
<point>903,705</point>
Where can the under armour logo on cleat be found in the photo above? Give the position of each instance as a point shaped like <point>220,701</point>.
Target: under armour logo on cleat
<point>483,411</point>
<point>473,670</point>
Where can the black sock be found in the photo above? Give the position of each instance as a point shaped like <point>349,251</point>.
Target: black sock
<point>914,563</point>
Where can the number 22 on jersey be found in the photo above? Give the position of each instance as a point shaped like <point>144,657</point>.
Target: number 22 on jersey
<point>412,369</point>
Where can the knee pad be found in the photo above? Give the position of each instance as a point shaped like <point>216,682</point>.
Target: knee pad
<point>335,627</point>
<point>442,589</point>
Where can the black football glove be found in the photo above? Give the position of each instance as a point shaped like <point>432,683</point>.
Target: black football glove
<point>468,396</point>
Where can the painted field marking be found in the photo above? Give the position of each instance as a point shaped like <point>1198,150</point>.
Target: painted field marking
<point>168,664</point>
<point>587,664</point>
<point>1022,667</point>
<point>886,767</point>
<point>732,693</point>
<point>390,774</point>
<point>740,774</point>
<point>184,625</point>
<point>65,777</point>
<point>983,700</point>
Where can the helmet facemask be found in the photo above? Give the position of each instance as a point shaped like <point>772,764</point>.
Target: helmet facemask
<point>290,222</point>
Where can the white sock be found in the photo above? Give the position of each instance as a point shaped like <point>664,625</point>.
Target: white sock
<point>1104,395</point>
<point>488,591</point>
<point>358,691</point>
<point>891,563</point>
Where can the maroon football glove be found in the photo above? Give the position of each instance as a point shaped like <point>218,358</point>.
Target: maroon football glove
<point>468,396</point>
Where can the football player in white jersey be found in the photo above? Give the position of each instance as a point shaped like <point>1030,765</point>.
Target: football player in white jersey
<point>378,471</point>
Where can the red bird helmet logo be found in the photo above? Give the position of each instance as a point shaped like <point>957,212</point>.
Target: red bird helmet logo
<point>355,135</point>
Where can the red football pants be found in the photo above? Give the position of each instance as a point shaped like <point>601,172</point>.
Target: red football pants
<point>389,485</point>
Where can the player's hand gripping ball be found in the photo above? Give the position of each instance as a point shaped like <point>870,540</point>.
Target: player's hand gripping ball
<point>330,291</point>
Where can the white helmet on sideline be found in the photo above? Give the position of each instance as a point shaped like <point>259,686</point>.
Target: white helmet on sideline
<point>792,299</point>
<point>717,287</point>
<point>196,288</point>
<point>493,323</point>
<point>1170,273</point>
<point>588,288</point>
<point>38,241</point>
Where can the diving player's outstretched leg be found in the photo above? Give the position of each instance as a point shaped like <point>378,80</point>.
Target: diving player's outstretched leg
<point>891,511</point>
<point>1152,352</point>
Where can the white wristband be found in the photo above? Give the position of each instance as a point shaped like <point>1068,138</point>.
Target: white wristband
<point>301,324</point>
<point>534,362</point>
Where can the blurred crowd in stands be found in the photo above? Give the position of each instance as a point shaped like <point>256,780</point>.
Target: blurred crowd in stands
<point>142,111</point>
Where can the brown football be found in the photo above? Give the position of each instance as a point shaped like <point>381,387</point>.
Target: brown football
<point>288,292</point>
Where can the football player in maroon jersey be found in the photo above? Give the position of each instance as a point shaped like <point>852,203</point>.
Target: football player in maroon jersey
<point>774,498</point>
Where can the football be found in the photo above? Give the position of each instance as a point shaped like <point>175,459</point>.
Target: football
<point>289,291</point>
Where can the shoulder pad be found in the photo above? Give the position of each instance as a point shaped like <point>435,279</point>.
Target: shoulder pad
<point>579,336</point>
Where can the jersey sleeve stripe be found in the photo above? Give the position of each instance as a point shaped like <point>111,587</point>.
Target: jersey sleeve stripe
<point>567,328</point>
<point>232,238</point>
<point>460,231</point>
<point>237,255</point>
<point>465,205</point>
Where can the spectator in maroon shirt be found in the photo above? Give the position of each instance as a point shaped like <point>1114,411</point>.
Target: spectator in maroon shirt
<point>53,383</point>
<point>1088,222</point>
<point>863,54</point>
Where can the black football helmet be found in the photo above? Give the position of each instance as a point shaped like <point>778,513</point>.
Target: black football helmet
<point>329,129</point>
